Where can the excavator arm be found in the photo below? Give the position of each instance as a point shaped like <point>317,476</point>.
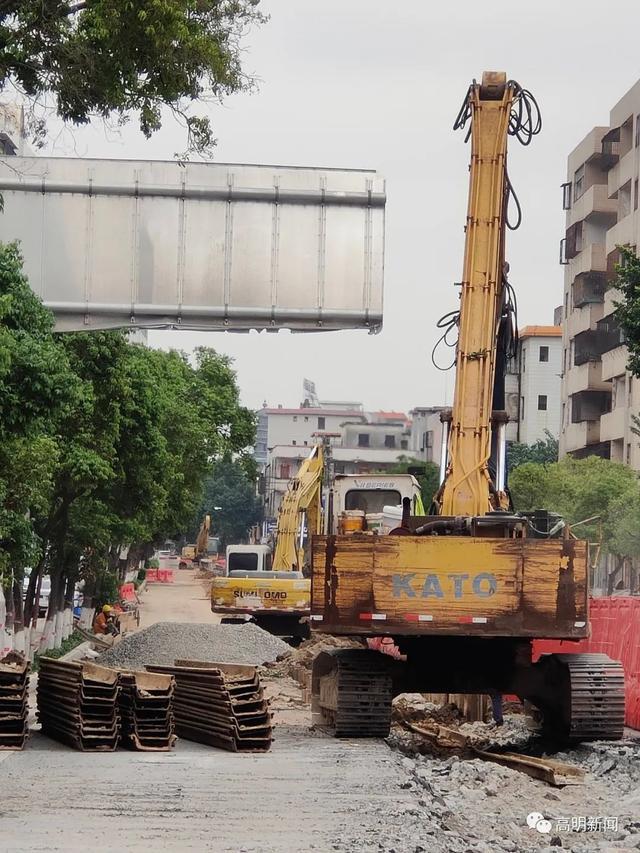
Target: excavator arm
<point>303,496</point>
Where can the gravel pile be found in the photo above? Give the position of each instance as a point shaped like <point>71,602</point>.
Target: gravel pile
<point>164,642</point>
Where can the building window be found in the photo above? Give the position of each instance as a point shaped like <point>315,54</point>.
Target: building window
<point>635,194</point>
<point>564,413</point>
<point>294,441</point>
<point>306,418</point>
<point>523,359</point>
<point>295,418</point>
<point>566,304</point>
<point>638,131</point>
<point>544,353</point>
<point>521,408</point>
<point>363,439</point>
<point>542,402</point>
<point>389,441</point>
<point>566,196</point>
<point>306,443</point>
<point>578,183</point>
<point>404,444</point>
<point>321,423</point>
<point>285,471</point>
<point>564,360</point>
<point>628,454</point>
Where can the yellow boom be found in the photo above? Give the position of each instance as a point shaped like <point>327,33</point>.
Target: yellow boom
<point>467,486</point>
<point>303,496</point>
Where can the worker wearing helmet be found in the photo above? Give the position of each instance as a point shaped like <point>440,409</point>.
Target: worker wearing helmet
<point>105,622</point>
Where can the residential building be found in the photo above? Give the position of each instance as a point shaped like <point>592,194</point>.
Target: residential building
<point>426,433</point>
<point>532,386</point>
<point>299,427</point>
<point>600,197</point>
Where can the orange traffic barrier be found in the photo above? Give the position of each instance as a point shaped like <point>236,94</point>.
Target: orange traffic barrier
<point>127,592</point>
<point>152,575</point>
<point>615,631</point>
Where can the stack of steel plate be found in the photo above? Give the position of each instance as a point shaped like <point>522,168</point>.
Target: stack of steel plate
<point>14,687</point>
<point>220,704</point>
<point>146,711</point>
<point>78,704</point>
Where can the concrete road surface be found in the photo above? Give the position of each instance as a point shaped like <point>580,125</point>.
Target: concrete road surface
<point>309,793</point>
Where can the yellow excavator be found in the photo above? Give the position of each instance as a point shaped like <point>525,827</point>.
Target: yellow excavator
<point>272,590</point>
<point>203,548</point>
<point>465,591</point>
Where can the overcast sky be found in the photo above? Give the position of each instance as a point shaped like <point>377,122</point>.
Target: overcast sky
<point>366,84</point>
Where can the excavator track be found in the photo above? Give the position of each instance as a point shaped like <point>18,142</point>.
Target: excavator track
<point>596,697</point>
<point>352,692</point>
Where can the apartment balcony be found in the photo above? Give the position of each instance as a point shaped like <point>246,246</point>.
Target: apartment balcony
<point>612,424</point>
<point>595,202</point>
<point>611,296</point>
<point>620,173</point>
<point>596,448</point>
<point>585,377</point>
<point>614,362</point>
<point>590,406</point>
<point>612,334</point>
<point>620,234</point>
<point>584,318</point>
<point>578,436</point>
<point>593,258</point>
<point>589,345</point>
<point>588,288</point>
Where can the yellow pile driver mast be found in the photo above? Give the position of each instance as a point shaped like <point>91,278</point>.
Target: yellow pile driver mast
<point>469,488</point>
<point>465,592</point>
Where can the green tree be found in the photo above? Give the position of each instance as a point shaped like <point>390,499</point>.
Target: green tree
<point>577,489</point>
<point>543,451</point>
<point>229,488</point>
<point>117,57</point>
<point>36,386</point>
<point>429,480</point>
<point>627,311</point>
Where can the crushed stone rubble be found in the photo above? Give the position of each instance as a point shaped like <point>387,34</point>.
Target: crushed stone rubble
<point>165,642</point>
<point>468,804</point>
<point>303,656</point>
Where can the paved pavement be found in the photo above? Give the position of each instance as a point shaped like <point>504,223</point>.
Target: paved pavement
<point>308,793</point>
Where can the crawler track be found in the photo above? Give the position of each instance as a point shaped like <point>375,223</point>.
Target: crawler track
<point>596,697</point>
<point>354,694</point>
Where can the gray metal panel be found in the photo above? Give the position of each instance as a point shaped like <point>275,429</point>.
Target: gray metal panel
<point>155,244</point>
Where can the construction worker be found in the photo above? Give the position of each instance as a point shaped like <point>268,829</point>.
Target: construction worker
<point>105,622</point>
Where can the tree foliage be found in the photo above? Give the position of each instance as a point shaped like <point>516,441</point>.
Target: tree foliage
<point>542,452</point>
<point>627,311</point>
<point>118,57</point>
<point>229,487</point>
<point>104,444</point>
<point>579,489</point>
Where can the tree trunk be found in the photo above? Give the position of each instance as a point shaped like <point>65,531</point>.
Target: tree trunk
<point>88,610</point>
<point>48,639</point>
<point>7,591</point>
<point>3,616</point>
<point>67,622</point>
<point>18,620</point>
<point>33,588</point>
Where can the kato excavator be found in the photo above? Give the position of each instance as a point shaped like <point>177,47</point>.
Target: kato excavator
<point>465,591</point>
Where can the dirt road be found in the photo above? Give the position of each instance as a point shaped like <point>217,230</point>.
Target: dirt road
<point>185,600</point>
